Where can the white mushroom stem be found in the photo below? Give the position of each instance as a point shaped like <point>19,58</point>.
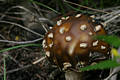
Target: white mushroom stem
<point>72,75</point>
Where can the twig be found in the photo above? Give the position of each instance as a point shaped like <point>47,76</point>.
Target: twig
<point>22,42</point>
<point>2,36</point>
<point>21,7</point>
<point>20,65</point>
<point>112,8</point>
<point>39,60</point>
<point>24,67</point>
<point>111,19</point>
<point>7,54</point>
<point>116,30</point>
<point>37,8</point>
<point>17,69</point>
<point>108,16</point>
<point>19,13</point>
<point>86,7</point>
<point>115,71</point>
<point>12,17</point>
<point>42,19</point>
<point>22,27</point>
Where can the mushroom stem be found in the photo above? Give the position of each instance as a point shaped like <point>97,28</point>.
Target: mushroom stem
<point>72,75</point>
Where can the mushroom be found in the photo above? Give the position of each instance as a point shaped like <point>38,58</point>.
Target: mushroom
<point>71,41</point>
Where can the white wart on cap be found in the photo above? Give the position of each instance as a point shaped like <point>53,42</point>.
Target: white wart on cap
<point>78,15</point>
<point>97,28</point>
<point>92,16</point>
<point>59,22</point>
<point>83,45</point>
<point>62,30</point>
<point>47,53</point>
<point>68,38</point>
<point>44,43</point>
<point>90,33</point>
<point>67,17</point>
<point>83,27</point>
<point>103,47</point>
<point>50,45</point>
<point>95,43</point>
<point>50,35</point>
<point>63,18</point>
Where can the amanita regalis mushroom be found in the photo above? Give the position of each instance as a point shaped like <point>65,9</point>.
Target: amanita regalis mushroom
<point>70,41</point>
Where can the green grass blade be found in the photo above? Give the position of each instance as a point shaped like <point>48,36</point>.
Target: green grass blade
<point>4,61</point>
<point>61,6</point>
<point>86,2</point>
<point>94,5</point>
<point>77,9</point>
<point>41,4</point>
<point>19,46</point>
<point>101,4</point>
<point>102,65</point>
<point>72,7</point>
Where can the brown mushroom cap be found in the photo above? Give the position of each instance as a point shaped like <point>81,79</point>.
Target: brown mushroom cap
<point>70,41</point>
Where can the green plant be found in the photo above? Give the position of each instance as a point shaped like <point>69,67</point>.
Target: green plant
<point>19,46</point>
<point>41,4</point>
<point>102,65</point>
<point>113,41</point>
<point>4,61</point>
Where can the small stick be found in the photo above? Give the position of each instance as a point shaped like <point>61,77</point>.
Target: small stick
<point>39,60</point>
<point>86,7</point>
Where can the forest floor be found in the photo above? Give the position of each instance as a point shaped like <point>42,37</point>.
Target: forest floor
<point>22,31</point>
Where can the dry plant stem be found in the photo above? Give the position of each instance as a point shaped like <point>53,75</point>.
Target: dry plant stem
<point>7,54</point>
<point>111,19</point>
<point>22,42</point>
<point>114,31</point>
<point>2,36</point>
<point>17,69</point>
<point>86,7</point>
<point>43,25</point>
<point>20,13</point>
<point>113,74</point>
<point>112,14</point>
<point>22,27</point>
<point>112,8</point>
<point>20,65</point>
<point>38,9</point>
<point>38,75</point>
<point>24,67</point>
<point>39,60</point>
<point>21,7</point>
<point>42,19</point>
<point>17,18</point>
